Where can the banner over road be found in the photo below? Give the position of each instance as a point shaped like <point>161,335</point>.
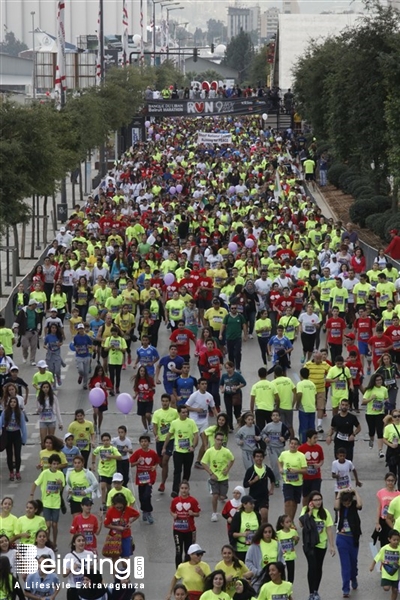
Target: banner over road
<point>204,108</point>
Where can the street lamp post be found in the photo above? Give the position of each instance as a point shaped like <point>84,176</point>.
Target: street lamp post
<point>167,28</point>
<point>34,54</point>
<point>154,28</point>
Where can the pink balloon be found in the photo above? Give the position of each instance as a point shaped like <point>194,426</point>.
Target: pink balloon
<point>169,279</point>
<point>124,403</point>
<point>158,136</point>
<point>249,243</point>
<point>96,397</point>
<point>172,190</point>
<point>232,246</point>
<point>232,189</point>
<point>179,188</point>
<point>150,131</point>
<point>147,124</point>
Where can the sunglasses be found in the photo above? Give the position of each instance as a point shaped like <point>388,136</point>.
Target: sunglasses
<point>396,416</point>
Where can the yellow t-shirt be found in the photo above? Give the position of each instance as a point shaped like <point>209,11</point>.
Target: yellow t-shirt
<point>292,460</point>
<point>31,526</point>
<point>264,393</point>
<point>231,571</point>
<point>82,433</point>
<point>183,431</point>
<point>218,460</point>
<point>322,524</point>
<point>271,591</point>
<point>190,578</point>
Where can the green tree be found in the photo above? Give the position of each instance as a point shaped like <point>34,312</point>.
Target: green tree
<point>259,67</point>
<point>239,55</point>
<point>10,45</point>
<point>217,32</point>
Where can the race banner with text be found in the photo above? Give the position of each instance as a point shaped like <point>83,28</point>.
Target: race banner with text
<point>210,107</point>
<point>214,138</point>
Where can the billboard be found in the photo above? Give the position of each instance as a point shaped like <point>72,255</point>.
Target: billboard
<point>207,107</point>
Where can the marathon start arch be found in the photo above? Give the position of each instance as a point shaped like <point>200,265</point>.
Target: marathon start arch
<point>206,107</point>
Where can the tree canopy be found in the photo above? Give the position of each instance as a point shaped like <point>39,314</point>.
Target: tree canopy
<point>239,55</point>
<point>10,45</point>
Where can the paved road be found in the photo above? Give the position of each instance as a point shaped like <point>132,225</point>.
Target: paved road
<point>154,542</point>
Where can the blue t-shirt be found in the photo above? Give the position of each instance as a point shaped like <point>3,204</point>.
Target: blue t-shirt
<point>176,363</point>
<point>279,344</point>
<point>44,586</point>
<point>147,356</point>
<point>70,454</point>
<point>95,326</point>
<point>184,387</point>
<point>52,341</point>
<point>82,344</point>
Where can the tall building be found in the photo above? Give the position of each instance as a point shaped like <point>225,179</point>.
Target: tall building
<point>80,18</point>
<point>240,18</point>
<point>269,24</point>
<point>291,7</point>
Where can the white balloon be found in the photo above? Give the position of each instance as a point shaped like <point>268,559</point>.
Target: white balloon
<point>264,116</point>
<point>151,239</point>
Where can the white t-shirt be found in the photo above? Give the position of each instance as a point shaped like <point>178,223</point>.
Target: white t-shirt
<point>348,285</point>
<point>343,471</point>
<point>263,287</point>
<point>120,444</point>
<point>80,567</point>
<point>203,401</point>
<point>309,322</point>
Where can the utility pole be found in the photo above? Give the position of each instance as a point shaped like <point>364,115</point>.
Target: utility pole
<point>34,55</point>
<point>103,165</point>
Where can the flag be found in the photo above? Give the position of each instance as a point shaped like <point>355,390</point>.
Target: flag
<point>98,66</point>
<point>125,48</point>
<point>60,81</point>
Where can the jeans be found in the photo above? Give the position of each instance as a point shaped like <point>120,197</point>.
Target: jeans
<point>182,460</point>
<point>306,421</point>
<point>145,492</point>
<point>83,366</point>
<point>235,351</point>
<point>322,177</point>
<point>315,561</point>
<point>213,389</point>
<point>348,554</point>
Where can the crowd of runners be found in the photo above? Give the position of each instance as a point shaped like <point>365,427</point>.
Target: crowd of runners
<point>219,248</point>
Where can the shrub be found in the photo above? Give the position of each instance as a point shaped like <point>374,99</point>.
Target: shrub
<point>377,222</point>
<point>346,178</point>
<point>360,210</point>
<point>363,193</point>
<point>392,223</point>
<point>383,203</point>
<point>334,173</point>
<point>356,183</point>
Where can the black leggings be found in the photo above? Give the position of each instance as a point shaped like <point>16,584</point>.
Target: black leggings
<point>263,343</point>
<point>290,570</point>
<point>85,455</point>
<point>13,449</point>
<point>315,560</point>
<point>183,540</point>
<point>375,424</point>
<point>115,375</point>
<point>68,290</point>
<point>232,409</point>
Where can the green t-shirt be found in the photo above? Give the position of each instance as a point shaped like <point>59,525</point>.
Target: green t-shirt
<point>78,482</point>
<point>376,397</point>
<point>6,339</point>
<point>308,390</point>
<point>322,524</point>
<point>326,286</point>
<point>263,328</point>
<point>8,525</point>
<point>163,419</point>
<point>108,460</point>
<point>209,595</point>
<point>273,591</point>
<point>40,378</point>
<point>130,498</point>
<point>285,387</point>
<point>248,522</point>
<point>338,297</point>
<point>289,323</point>
<point>116,345</point>
<point>30,526</point>
<point>113,304</point>
<point>183,431</point>
<point>389,556</point>
<point>175,309</point>
<point>288,543</point>
<point>269,552</point>
<point>51,485</point>
<point>218,460</point>
<point>292,460</point>
<point>264,393</point>
<point>339,385</point>
<point>234,326</point>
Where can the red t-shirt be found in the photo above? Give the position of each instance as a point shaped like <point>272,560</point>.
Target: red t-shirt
<point>211,360</point>
<point>145,390</point>
<point>190,284</point>
<point>170,289</point>
<point>181,506</point>
<point>336,329</point>
<point>356,370</point>
<point>229,511</point>
<point>314,455</point>
<point>146,460</point>
<point>157,283</point>
<point>87,527</point>
<point>393,333</point>
<point>116,518</point>
<point>364,328</point>
<point>282,303</point>
<point>379,345</point>
<point>298,297</point>
<point>353,348</point>
<point>205,289</point>
<point>182,337</point>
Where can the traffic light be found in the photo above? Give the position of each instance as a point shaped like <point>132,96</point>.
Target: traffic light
<point>195,54</point>
<point>212,48</point>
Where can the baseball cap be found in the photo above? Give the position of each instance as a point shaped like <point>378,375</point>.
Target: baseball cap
<point>394,231</point>
<point>53,309</point>
<point>87,502</point>
<point>32,301</point>
<point>118,477</point>
<point>68,435</point>
<point>80,326</point>
<point>62,230</point>
<point>42,364</point>
<point>246,499</point>
<point>216,300</point>
<point>350,336</point>
<point>194,548</point>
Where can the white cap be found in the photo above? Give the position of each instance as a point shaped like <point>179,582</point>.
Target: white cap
<point>118,477</point>
<point>42,364</point>
<point>195,548</point>
<point>32,301</point>
<point>62,230</point>
<point>53,308</point>
<point>80,326</point>
<point>68,435</point>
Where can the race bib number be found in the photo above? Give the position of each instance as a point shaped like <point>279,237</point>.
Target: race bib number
<point>184,444</point>
<point>144,478</point>
<point>343,482</point>
<point>181,525</point>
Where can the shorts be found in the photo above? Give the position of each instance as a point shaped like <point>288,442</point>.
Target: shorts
<point>336,401</point>
<point>169,387</point>
<point>126,547</point>
<point>264,503</point>
<point>320,400</point>
<point>311,485</point>
<point>51,514</point>
<point>169,449</point>
<point>308,341</point>
<point>96,343</point>
<point>202,426</point>
<point>144,408</point>
<point>104,353</point>
<point>104,479</point>
<point>219,488</point>
<point>363,348</point>
<point>389,583</point>
<point>310,177</point>
<point>43,425</point>
<point>103,407</point>
<point>203,304</point>
<point>292,492</point>
<point>76,507</point>
<point>286,416</point>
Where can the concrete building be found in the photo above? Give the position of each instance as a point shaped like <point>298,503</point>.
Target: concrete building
<point>291,7</point>
<point>240,18</point>
<point>202,65</point>
<point>296,32</point>
<point>80,17</point>
<point>269,22</point>
<point>16,74</point>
